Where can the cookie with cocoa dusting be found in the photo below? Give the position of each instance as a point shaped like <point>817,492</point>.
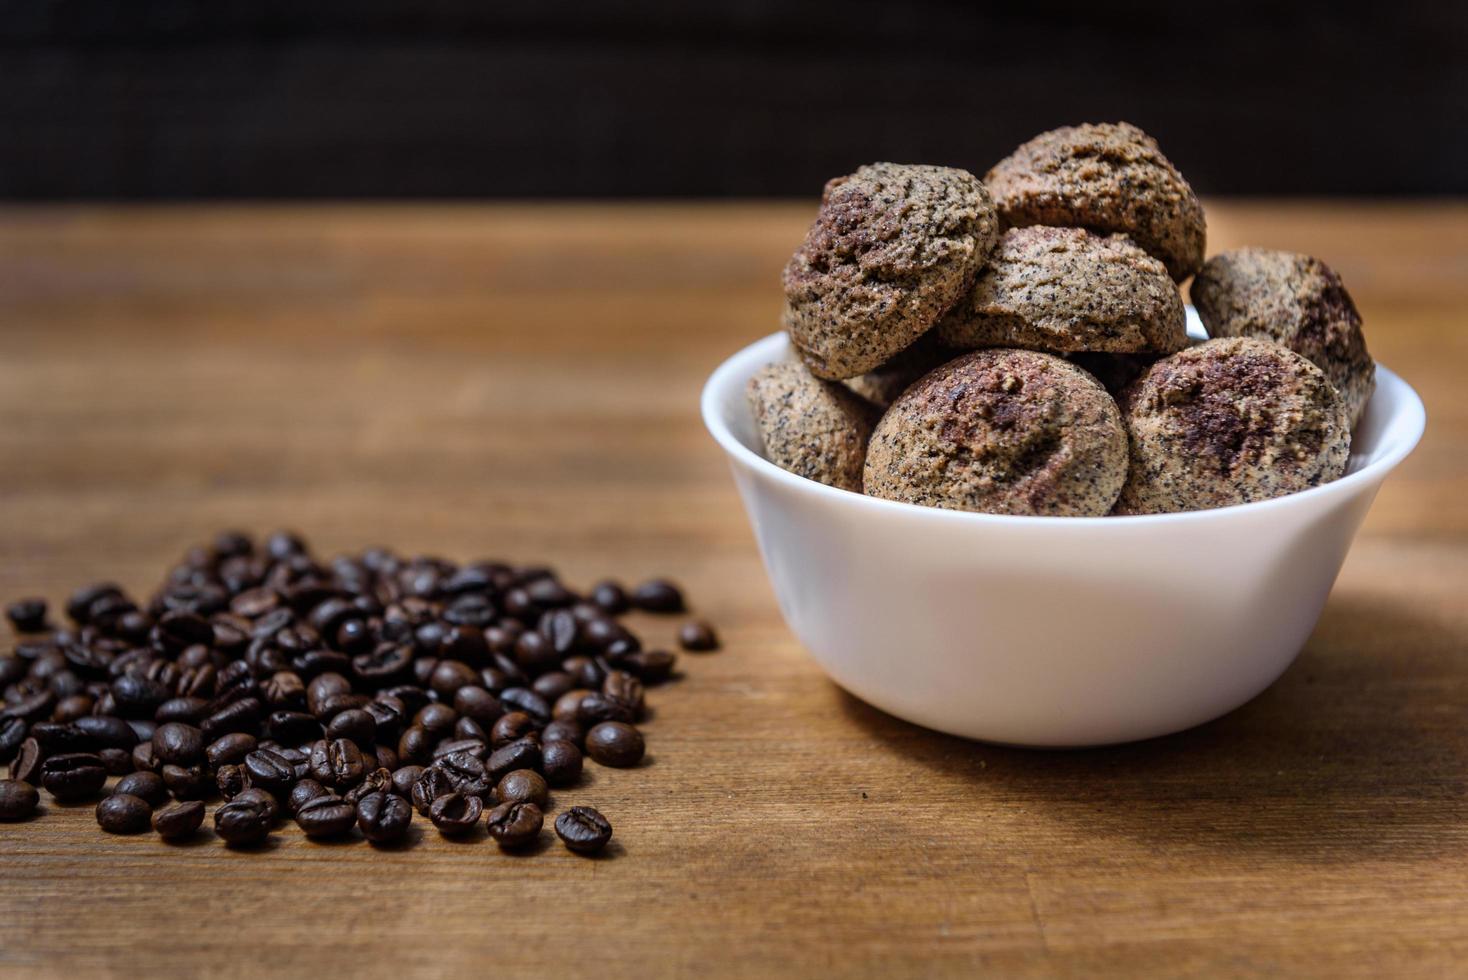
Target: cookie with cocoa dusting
<point>1065,289</point>
<point>1290,299</point>
<point>1003,432</point>
<point>1230,421</point>
<point>813,428</point>
<point>1108,177</point>
<point>892,247</point>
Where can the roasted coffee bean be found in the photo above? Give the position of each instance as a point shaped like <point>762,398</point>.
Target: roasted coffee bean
<point>561,762</point>
<point>522,786</point>
<point>32,706</point>
<point>515,825</point>
<point>583,830</point>
<point>376,781</point>
<point>472,746</point>
<point>563,731</point>
<point>265,799</point>
<point>535,653</point>
<point>625,689</point>
<point>449,676</point>
<point>657,596</point>
<point>585,671</point>
<point>72,708</point>
<point>611,598</point>
<point>187,782</point>
<point>613,743</point>
<point>229,749</point>
<point>357,725</point>
<point>27,615</point>
<point>467,773</point>
<point>243,715</point>
<point>243,822</point>
<point>108,731</point>
<point>117,762</point>
<point>73,777</point>
<point>179,744</point>
<point>138,696</point>
<point>552,685</point>
<point>438,719</point>
<point>177,630</point>
<point>270,771</point>
<point>511,728</point>
<point>179,821</point>
<point>18,800</point>
<point>292,727</point>
<point>466,729</point>
<point>143,758</point>
<point>697,635</point>
<point>285,691</point>
<point>324,687</point>
<point>185,710</point>
<point>123,813</point>
<point>431,783</point>
<point>456,814</point>
<point>57,739</point>
<point>384,818</point>
<point>13,731</point>
<point>303,790</point>
<point>526,700</point>
<point>326,816</point>
<point>403,779</point>
<point>524,754</point>
<point>146,786</point>
<point>337,763</point>
<point>416,746</point>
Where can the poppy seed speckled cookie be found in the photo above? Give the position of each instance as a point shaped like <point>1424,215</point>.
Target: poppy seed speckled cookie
<point>1002,432</point>
<point>1230,421</point>
<point>1294,300</point>
<point>884,383</point>
<point>1065,289</point>
<point>813,428</point>
<point>892,247</point>
<point>1109,177</point>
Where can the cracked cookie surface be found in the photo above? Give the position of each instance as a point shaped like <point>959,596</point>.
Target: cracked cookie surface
<point>892,247</point>
<point>1108,177</point>
<point>1065,289</point>
<point>1290,299</point>
<point>1230,421</point>
<point>1002,432</point>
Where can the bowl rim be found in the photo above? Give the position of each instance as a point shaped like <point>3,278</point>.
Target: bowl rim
<point>719,381</point>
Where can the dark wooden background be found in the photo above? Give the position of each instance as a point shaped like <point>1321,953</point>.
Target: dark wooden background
<point>159,99</point>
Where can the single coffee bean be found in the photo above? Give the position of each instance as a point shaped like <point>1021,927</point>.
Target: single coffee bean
<point>552,685</point>
<point>467,773</point>
<point>179,821</point>
<point>456,814</point>
<point>242,822</point>
<point>597,707</point>
<point>625,689</point>
<point>270,771</point>
<point>583,830</point>
<point>611,598</point>
<point>138,696</point>
<point>326,816</point>
<point>515,825</point>
<point>468,728</point>
<point>697,635</point>
<point>524,754</point>
<point>653,666</point>
<point>18,800</point>
<point>179,744</point>
<point>143,758</point>
<point>429,786</point>
<point>70,709</point>
<point>230,780</point>
<point>13,731</point>
<point>123,813</point>
<point>511,728</point>
<point>33,705</point>
<point>403,779</point>
<point>292,727</point>
<point>338,763</point>
<point>27,615</point>
<point>450,675</point>
<point>188,710</point>
<point>303,790</point>
<point>57,739</point>
<point>257,795</point>
<point>229,749</point>
<point>522,786</point>
<point>563,731</point>
<point>356,725</point>
<point>526,700</point>
<point>73,777</point>
<point>383,818</point>
<point>658,596</point>
<point>377,781</point>
<point>110,732</point>
<point>561,762</point>
<point>438,719</point>
<point>243,715</point>
<point>146,786</point>
<point>117,762</point>
<point>416,745</point>
<point>613,743</point>
<point>476,703</point>
<point>187,782</point>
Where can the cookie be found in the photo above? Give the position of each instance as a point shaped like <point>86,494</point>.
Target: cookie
<point>1114,371</point>
<point>883,384</point>
<point>1065,289</point>
<point>892,247</point>
<point>1004,432</point>
<point>1294,300</point>
<point>813,428</point>
<point>1229,422</point>
<point>1109,177</point>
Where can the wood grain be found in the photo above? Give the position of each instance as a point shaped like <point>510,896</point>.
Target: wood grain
<point>521,381</point>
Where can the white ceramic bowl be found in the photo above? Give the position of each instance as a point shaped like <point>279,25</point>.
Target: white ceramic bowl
<point>1051,631</point>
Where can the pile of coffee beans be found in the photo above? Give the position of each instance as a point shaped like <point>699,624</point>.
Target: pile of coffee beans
<point>343,695</point>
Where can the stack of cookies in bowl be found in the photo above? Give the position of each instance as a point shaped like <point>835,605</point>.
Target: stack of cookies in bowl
<point>1018,345</point>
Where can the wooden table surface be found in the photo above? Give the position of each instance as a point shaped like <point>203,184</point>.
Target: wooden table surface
<point>522,382</point>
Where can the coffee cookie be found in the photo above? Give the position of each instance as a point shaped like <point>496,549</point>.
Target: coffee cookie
<point>1109,177</point>
<point>1229,422</point>
<point>813,428</point>
<point>1004,432</point>
<point>1294,300</point>
<point>1065,289</point>
<point>883,384</point>
<point>892,247</point>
